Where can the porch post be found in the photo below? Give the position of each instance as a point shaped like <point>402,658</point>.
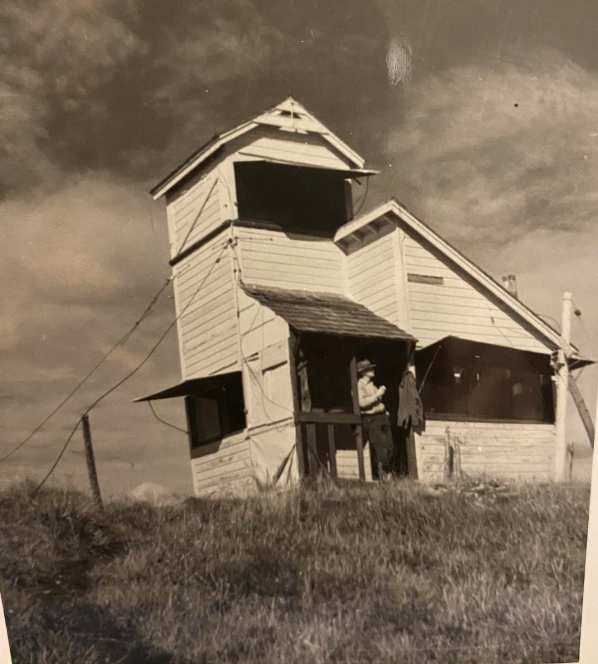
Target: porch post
<point>299,446</point>
<point>358,427</point>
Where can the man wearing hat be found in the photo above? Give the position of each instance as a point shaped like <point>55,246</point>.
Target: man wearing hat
<point>375,417</point>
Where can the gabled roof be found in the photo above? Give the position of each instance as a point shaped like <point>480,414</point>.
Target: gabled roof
<point>326,313</point>
<point>289,115</point>
<point>392,208</point>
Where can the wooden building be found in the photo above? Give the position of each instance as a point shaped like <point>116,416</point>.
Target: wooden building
<point>279,291</point>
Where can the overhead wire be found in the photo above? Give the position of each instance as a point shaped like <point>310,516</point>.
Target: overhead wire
<point>160,419</point>
<point>161,338</point>
<point>58,458</point>
<point>134,370</point>
<point>90,373</point>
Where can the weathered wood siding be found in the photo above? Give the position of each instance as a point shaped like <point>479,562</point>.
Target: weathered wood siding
<point>198,207</point>
<point>514,451</point>
<point>272,452</point>
<point>347,465</point>
<point>207,327</point>
<point>272,258</point>
<point>457,307</point>
<point>223,467</point>
<point>308,149</point>
<point>373,273</point>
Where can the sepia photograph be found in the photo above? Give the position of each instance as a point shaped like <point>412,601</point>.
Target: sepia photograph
<point>298,332</point>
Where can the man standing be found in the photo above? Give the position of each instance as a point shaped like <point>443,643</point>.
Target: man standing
<point>375,417</point>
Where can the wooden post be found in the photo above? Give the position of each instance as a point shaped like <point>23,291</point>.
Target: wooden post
<point>358,427</point>
<point>582,409</point>
<point>589,634</point>
<point>332,452</point>
<point>91,463</point>
<point>313,466</point>
<point>299,445</point>
<point>562,393</point>
<point>570,454</point>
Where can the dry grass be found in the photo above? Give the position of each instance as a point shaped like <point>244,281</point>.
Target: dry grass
<point>363,574</point>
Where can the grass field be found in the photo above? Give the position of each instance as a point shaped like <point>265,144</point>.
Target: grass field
<point>383,573</point>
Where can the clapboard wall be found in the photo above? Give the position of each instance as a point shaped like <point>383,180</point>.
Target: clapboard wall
<point>223,467</point>
<point>205,303</point>
<point>288,147</point>
<point>511,451</point>
<point>450,304</point>
<point>374,275</point>
<point>290,261</point>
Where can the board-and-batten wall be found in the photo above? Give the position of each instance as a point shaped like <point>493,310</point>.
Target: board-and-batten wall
<point>456,307</point>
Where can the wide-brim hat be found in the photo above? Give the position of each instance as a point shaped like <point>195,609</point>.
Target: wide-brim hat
<point>364,365</point>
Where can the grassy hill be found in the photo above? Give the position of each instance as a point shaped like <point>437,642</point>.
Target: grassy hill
<point>374,573</point>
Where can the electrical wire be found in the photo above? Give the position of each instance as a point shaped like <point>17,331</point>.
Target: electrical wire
<point>168,424</point>
<point>161,338</point>
<point>130,373</point>
<point>428,369</point>
<point>120,342</point>
<point>58,458</point>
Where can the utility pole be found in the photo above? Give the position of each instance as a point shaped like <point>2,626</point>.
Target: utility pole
<point>91,462</point>
<point>562,392</point>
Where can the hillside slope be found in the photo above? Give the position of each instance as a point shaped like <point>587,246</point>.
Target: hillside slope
<point>375,574</point>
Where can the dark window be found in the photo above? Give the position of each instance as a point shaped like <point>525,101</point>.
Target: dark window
<point>292,197</point>
<point>324,374</point>
<point>464,379</point>
<point>218,412</point>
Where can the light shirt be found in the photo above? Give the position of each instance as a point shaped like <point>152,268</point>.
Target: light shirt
<point>366,390</point>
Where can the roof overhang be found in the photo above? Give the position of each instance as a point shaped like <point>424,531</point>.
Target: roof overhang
<point>195,386</point>
<point>574,361</point>
<point>326,313</point>
<point>395,213</point>
<point>344,172</point>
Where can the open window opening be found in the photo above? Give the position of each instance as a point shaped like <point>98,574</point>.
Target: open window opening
<point>292,198</point>
<point>461,379</point>
<point>216,410</point>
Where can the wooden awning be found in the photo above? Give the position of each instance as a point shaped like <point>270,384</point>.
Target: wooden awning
<point>192,386</point>
<point>574,361</point>
<point>326,313</point>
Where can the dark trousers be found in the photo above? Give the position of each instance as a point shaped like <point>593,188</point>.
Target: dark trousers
<point>377,431</point>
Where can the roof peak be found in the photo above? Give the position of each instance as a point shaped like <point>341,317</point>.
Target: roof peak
<point>287,115</point>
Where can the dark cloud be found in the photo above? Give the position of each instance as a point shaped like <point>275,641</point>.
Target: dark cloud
<point>489,134</point>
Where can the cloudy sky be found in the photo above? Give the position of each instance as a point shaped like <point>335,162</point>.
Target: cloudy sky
<point>482,115</point>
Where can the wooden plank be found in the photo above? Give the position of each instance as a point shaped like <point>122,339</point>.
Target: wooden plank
<point>299,440</point>
<point>328,418</point>
<point>332,451</point>
<point>582,409</point>
<point>425,279</point>
<point>312,447</point>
